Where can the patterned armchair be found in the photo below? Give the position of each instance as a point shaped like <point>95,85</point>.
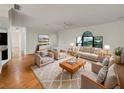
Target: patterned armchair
<point>59,54</point>
<point>43,60</point>
<point>90,83</point>
<point>89,79</point>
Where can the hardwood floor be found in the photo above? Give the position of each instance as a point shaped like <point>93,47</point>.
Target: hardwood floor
<point>17,73</point>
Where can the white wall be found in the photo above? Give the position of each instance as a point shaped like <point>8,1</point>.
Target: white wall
<point>18,19</point>
<point>18,38</point>
<point>32,38</point>
<point>23,39</point>
<point>113,34</point>
<point>15,39</point>
<point>3,30</point>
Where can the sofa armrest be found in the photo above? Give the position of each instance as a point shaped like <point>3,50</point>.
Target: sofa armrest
<point>51,54</point>
<point>96,67</point>
<point>88,83</point>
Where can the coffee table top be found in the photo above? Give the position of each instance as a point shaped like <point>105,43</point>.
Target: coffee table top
<point>80,62</point>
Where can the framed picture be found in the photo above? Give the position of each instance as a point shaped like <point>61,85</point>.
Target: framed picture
<point>43,38</point>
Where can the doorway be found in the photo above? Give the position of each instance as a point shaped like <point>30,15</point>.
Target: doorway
<point>18,36</point>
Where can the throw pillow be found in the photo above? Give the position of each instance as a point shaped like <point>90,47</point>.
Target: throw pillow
<point>56,49</point>
<point>111,60</point>
<point>111,78</point>
<point>43,53</point>
<point>105,61</point>
<point>102,74</point>
<point>92,50</point>
<point>96,51</point>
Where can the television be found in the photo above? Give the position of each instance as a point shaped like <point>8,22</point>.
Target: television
<point>3,38</point>
<point>43,38</point>
<point>88,41</point>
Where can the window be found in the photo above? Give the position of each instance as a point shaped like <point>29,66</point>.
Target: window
<point>98,41</point>
<point>89,40</point>
<point>78,41</point>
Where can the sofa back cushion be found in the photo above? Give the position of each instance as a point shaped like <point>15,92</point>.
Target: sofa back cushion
<point>92,50</point>
<point>81,49</point>
<point>97,51</point>
<point>85,49</point>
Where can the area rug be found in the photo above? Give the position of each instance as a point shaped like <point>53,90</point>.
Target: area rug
<point>52,77</point>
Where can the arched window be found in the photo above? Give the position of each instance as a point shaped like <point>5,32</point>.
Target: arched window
<point>87,34</point>
<point>87,39</point>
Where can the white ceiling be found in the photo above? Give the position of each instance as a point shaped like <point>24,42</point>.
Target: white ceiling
<point>60,17</point>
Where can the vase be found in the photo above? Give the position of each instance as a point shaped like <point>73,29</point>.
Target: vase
<point>117,59</point>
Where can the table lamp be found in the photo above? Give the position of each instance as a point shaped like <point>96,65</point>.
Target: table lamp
<point>107,48</point>
<point>72,44</point>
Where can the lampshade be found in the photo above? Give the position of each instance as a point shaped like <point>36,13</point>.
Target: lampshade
<point>107,47</point>
<point>71,44</point>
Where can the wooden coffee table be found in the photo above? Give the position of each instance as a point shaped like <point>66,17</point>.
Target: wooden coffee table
<point>72,68</point>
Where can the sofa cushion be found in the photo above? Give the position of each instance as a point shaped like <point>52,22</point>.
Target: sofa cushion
<point>88,55</point>
<point>111,79</point>
<point>102,74</point>
<point>90,74</point>
<point>62,55</point>
<point>83,54</point>
<point>86,49</point>
<point>46,59</point>
<point>81,49</point>
<point>97,50</point>
<point>92,50</point>
<point>105,61</point>
<point>92,55</point>
<point>43,53</point>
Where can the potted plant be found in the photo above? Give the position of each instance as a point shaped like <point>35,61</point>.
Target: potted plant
<point>118,51</point>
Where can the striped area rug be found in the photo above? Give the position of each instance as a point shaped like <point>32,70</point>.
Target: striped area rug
<point>52,77</point>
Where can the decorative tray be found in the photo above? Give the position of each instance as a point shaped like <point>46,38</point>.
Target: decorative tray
<point>71,61</point>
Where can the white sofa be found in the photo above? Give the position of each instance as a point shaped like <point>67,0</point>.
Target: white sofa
<point>94,54</point>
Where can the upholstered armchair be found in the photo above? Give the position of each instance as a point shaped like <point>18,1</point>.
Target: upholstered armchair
<point>89,83</point>
<point>59,54</point>
<point>89,79</point>
<point>43,60</point>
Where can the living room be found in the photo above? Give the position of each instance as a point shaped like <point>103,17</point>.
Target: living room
<point>58,60</point>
